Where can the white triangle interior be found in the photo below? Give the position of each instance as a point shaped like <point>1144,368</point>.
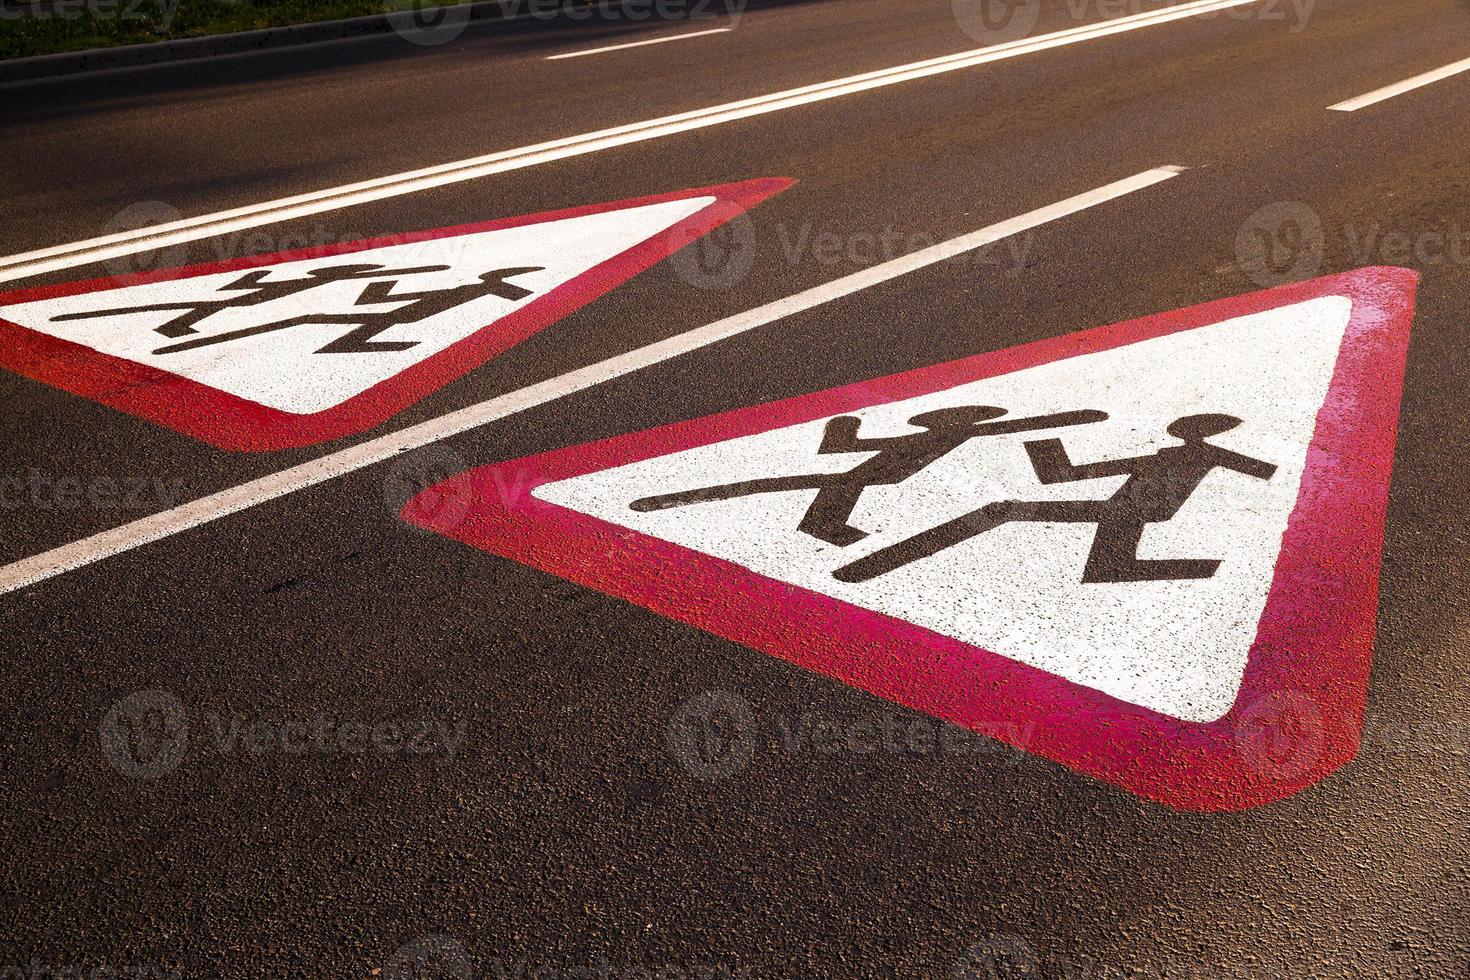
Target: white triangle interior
<point>284,369</point>
<point>1178,647</point>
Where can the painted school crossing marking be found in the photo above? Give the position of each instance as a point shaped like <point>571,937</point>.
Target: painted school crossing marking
<point>294,348</point>
<point>370,452</point>
<point>1123,542</point>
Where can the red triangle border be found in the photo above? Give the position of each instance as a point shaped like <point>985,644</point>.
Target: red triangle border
<point>1305,681</point>
<point>229,422</point>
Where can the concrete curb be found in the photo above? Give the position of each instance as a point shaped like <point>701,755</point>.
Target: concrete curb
<point>454,20</point>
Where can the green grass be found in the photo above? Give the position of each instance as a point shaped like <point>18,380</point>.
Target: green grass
<point>53,26</point>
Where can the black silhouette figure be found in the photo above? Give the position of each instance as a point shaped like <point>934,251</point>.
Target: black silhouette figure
<point>259,292</point>
<point>1157,486</point>
<point>897,459</point>
<point>421,306</point>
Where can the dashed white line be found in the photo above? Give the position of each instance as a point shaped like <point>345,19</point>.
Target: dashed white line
<point>37,568</point>
<point>636,44</point>
<point>223,222</point>
<point>1399,88</point>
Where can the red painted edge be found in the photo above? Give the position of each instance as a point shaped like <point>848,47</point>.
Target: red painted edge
<point>1305,681</point>
<point>230,422</point>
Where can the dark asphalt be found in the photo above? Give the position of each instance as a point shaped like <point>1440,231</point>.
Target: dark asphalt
<point>566,832</point>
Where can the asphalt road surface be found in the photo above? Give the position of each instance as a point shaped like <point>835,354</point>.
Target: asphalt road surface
<point>289,732</point>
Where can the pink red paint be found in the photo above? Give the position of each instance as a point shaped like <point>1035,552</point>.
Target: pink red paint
<point>232,422</point>
<point>1299,710</point>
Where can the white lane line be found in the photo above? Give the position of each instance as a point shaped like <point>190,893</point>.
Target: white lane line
<point>223,222</point>
<point>29,571</point>
<point>636,44</point>
<point>1407,85</point>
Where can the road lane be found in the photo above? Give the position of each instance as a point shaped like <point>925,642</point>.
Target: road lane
<point>1399,88</point>
<point>567,830</point>
<point>210,146</point>
<point>1003,144</point>
<point>34,569</point>
<point>37,262</point>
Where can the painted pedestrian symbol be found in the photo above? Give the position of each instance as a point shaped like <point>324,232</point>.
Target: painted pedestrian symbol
<point>1158,486</point>
<point>419,306</point>
<point>1178,530</point>
<point>258,289</point>
<point>293,348</point>
<point>896,459</point>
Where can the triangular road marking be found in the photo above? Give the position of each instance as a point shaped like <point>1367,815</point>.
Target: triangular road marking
<point>293,348</point>
<point>1159,562</point>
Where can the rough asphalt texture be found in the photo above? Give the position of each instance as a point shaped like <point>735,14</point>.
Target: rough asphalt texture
<point>538,799</point>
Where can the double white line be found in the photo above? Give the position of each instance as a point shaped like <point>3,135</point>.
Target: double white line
<point>224,222</point>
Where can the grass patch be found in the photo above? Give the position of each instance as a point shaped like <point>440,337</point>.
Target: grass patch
<point>52,26</point>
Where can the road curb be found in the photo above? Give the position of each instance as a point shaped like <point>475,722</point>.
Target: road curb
<point>185,49</point>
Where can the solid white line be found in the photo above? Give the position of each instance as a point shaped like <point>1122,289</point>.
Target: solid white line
<point>1407,85</point>
<point>29,571</point>
<point>635,44</point>
<point>205,226</point>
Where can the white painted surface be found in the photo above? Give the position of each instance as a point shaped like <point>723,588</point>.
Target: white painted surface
<point>283,369</point>
<point>1399,88</point>
<point>155,527</point>
<point>1178,647</point>
<point>636,44</point>
<point>55,257</point>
